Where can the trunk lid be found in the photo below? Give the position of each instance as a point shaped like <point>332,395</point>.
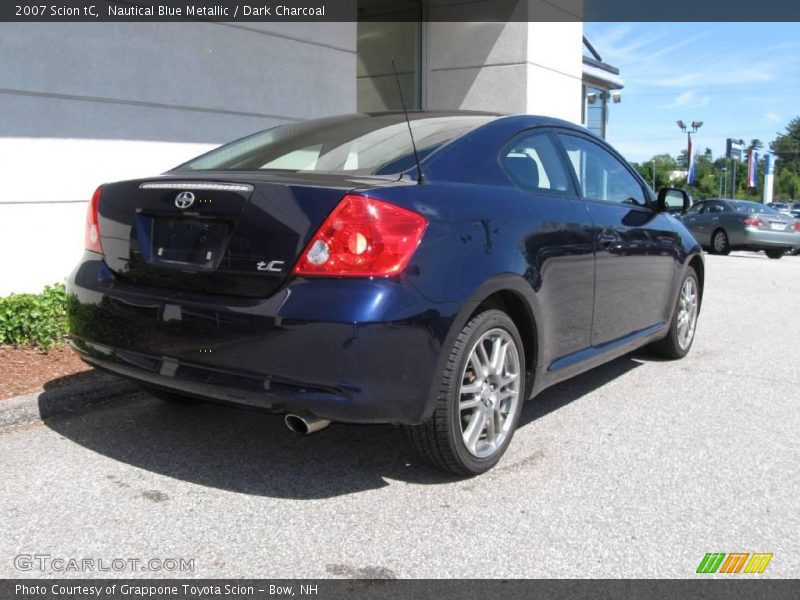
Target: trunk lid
<point>776,222</point>
<point>217,233</point>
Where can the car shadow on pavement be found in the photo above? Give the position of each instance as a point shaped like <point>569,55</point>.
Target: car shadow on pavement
<point>253,453</point>
<point>573,389</point>
<point>78,392</point>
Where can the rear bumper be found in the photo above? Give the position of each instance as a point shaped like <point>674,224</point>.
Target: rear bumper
<point>758,239</point>
<point>356,350</point>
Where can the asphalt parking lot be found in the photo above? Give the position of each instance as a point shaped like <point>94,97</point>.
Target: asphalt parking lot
<point>636,469</point>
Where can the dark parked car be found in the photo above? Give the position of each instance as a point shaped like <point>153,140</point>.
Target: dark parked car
<point>308,270</point>
<point>725,225</point>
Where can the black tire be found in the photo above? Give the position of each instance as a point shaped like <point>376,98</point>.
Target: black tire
<point>776,254</point>
<point>670,347</point>
<point>724,246</point>
<point>172,397</point>
<point>439,441</point>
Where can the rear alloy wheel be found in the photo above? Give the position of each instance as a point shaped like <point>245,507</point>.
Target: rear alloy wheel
<point>719,242</point>
<point>172,397</point>
<point>776,254</point>
<point>480,398</point>
<point>684,321</point>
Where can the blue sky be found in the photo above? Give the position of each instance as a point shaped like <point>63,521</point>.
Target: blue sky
<point>741,79</point>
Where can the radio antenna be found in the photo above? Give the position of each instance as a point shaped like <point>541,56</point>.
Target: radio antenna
<point>420,174</point>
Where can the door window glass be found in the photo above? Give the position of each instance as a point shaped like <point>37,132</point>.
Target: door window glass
<point>600,174</point>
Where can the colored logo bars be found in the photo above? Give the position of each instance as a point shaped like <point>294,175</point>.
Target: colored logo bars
<point>734,562</point>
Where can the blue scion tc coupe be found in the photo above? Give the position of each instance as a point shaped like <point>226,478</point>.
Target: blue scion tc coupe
<point>318,271</point>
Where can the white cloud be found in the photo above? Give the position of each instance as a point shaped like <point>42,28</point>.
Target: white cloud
<point>723,73</point>
<point>653,57</point>
<point>771,116</point>
<point>687,99</point>
<point>681,100</point>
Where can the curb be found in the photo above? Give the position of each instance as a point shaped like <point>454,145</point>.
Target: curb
<point>60,401</point>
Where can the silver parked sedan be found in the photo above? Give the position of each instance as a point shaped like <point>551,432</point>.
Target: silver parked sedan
<point>725,225</point>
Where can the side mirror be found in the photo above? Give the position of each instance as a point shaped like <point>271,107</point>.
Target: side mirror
<point>673,200</point>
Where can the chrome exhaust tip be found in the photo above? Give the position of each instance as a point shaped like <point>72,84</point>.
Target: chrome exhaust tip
<point>303,425</point>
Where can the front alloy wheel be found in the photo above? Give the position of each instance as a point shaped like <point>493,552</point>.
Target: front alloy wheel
<point>480,398</point>
<point>682,328</point>
<point>688,307</point>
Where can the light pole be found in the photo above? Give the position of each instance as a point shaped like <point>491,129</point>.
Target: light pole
<point>689,130</point>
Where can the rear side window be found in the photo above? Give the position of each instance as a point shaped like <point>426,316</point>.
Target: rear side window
<point>754,208</point>
<point>601,175</point>
<point>532,162</point>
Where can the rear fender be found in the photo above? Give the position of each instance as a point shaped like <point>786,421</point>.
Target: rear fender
<point>507,282</point>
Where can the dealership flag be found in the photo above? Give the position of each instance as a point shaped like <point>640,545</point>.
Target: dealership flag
<point>752,161</point>
<point>690,177</point>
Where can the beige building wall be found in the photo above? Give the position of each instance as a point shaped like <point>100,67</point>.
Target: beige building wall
<point>508,67</point>
<point>85,103</point>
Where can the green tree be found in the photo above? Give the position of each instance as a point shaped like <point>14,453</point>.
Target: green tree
<point>705,178</point>
<point>787,184</point>
<point>664,165</point>
<point>706,174</point>
<point>786,147</point>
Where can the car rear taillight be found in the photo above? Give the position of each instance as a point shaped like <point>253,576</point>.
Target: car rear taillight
<point>797,226</point>
<point>363,237</point>
<point>92,234</point>
<point>752,221</point>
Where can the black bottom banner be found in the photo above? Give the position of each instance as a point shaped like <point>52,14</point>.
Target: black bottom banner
<point>434,589</point>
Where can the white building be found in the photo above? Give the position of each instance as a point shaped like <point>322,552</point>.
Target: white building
<point>87,103</point>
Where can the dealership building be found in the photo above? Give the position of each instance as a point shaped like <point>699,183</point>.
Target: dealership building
<point>87,103</point>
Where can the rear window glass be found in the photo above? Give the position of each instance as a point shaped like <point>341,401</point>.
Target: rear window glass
<point>754,209</point>
<point>359,144</point>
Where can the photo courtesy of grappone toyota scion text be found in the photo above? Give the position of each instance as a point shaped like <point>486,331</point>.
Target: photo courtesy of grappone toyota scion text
<point>328,272</point>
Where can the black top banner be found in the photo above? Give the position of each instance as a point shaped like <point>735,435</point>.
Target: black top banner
<point>398,10</point>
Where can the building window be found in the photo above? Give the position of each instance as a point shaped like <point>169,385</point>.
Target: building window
<point>380,40</point>
<point>595,110</point>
